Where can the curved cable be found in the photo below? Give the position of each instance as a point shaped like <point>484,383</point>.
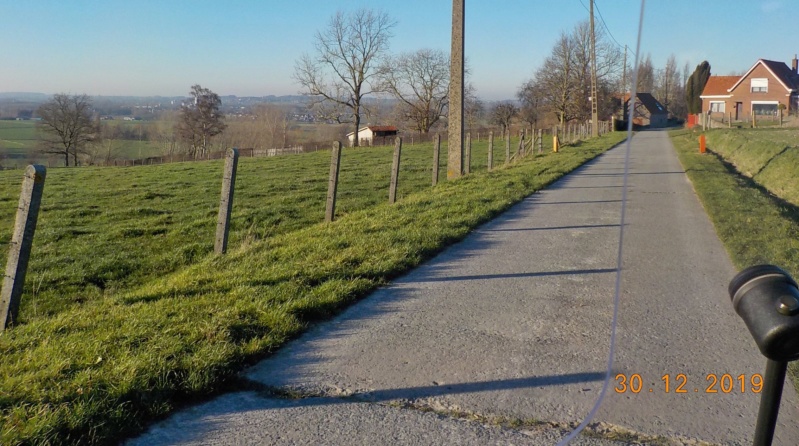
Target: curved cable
<point>619,257</point>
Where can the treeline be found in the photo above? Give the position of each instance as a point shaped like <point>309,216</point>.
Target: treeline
<point>560,89</point>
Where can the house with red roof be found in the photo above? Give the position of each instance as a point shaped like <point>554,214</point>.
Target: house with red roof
<point>373,135</point>
<point>760,91</point>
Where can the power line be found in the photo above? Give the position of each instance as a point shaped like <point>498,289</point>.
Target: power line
<point>596,5</point>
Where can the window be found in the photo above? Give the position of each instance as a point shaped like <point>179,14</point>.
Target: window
<point>760,85</point>
<point>769,109</point>
<point>717,107</point>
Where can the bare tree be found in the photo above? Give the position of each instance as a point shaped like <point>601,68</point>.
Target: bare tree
<point>556,79</point>
<point>420,82</point>
<point>66,126</point>
<point>608,67</point>
<point>531,98</point>
<point>265,128</point>
<point>686,70</point>
<point>472,106</point>
<point>107,144</point>
<point>200,120</point>
<point>502,115</point>
<point>668,88</point>
<point>646,76</point>
<point>348,53</point>
<point>273,123</point>
<point>166,134</point>
<point>562,86</point>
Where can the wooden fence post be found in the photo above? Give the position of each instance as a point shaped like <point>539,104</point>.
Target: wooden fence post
<point>332,184</point>
<point>436,155</point>
<point>490,150</point>
<point>467,161</point>
<point>21,242</point>
<point>520,150</point>
<point>395,165</point>
<point>540,141</point>
<point>226,202</point>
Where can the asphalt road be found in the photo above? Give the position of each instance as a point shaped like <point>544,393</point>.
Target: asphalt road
<point>515,322</point>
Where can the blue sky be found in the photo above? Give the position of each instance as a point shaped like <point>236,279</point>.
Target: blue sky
<point>162,47</point>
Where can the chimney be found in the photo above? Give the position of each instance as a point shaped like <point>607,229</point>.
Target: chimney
<point>795,64</point>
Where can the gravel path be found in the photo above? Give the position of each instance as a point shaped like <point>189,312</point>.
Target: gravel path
<point>503,338</point>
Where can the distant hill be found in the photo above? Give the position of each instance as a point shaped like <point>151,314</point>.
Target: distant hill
<point>24,96</point>
<point>226,99</point>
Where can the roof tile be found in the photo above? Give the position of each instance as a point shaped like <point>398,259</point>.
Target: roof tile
<point>719,85</point>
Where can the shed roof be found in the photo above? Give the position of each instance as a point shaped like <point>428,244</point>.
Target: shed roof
<point>649,102</point>
<point>382,128</point>
<point>376,128</point>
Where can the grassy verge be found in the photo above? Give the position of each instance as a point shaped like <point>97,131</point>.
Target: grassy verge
<point>754,225</point>
<point>99,370</point>
<point>768,156</point>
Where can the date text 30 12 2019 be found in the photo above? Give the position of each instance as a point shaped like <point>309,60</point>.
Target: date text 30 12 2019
<point>714,383</point>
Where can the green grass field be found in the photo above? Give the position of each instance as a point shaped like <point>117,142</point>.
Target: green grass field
<point>19,143</point>
<point>755,225</point>
<point>128,314</point>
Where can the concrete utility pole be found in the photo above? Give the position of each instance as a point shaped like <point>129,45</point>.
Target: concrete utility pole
<point>226,201</point>
<point>455,130</point>
<point>624,75</point>
<point>594,101</point>
<point>30,199</point>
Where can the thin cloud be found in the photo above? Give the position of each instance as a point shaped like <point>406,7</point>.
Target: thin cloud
<point>769,7</point>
